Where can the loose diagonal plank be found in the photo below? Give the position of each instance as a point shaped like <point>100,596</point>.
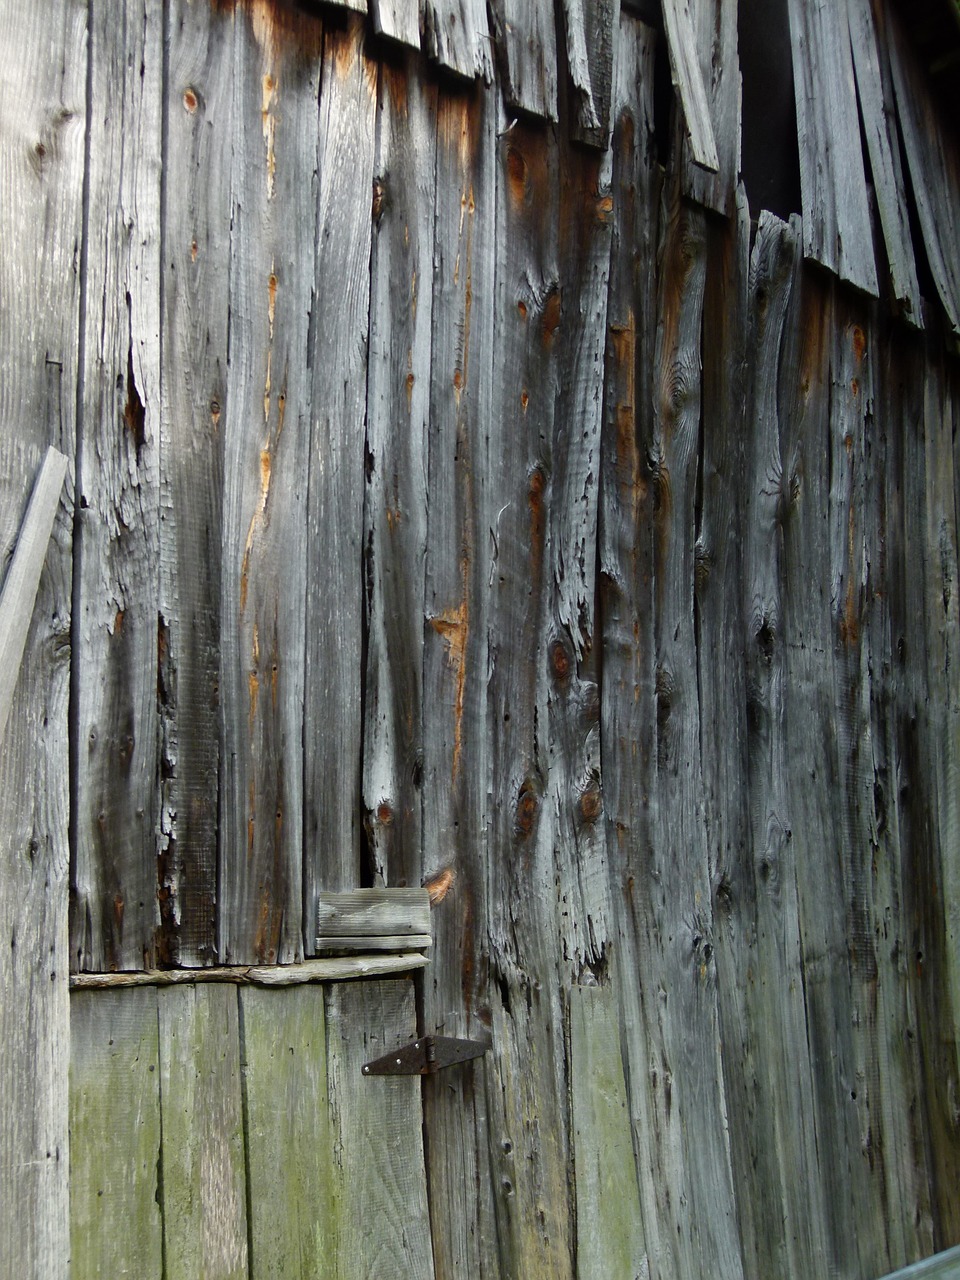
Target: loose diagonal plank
<point>115,1224</point>
<point>934,166</point>
<point>204,1188</point>
<point>833,189</point>
<point>382,1222</point>
<point>875,92</point>
<point>115,910</point>
<point>688,82</point>
<point>43,66</point>
<point>266,433</point>
<point>715,28</point>
<point>527,48</point>
<point>196,219</point>
<point>337,355</point>
<point>22,580</point>
<point>395,507</point>
<point>591,33</point>
<point>295,1205</point>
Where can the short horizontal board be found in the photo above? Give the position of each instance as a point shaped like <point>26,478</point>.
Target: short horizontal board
<point>329,969</point>
<point>374,942</point>
<point>374,913</point>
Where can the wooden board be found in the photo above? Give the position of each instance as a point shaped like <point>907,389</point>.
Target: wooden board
<point>832,182</point>
<point>42,118</point>
<point>294,1206</point>
<point>455,34</point>
<point>202,1146</point>
<point>115,906</point>
<point>374,911</point>
<point>336,355</point>
<point>876,96</point>
<point>591,35</point>
<point>115,1210</point>
<point>714,25</point>
<point>527,51</point>
<point>267,432</point>
<point>685,68</point>
<point>934,166</point>
<point>397,20</point>
<point>395,505</point>
<point>194,413</point>
<point>376,1130</point>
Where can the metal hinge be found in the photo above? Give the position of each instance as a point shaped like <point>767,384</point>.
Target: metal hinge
<point>425,1056</point>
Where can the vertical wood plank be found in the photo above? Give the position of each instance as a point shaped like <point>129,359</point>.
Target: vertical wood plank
<point>527,52</point>
<point>42,114</point>
<point>276,76</point>
<point>591,33</point>
<point>715,28</point>
<point>115,910</point>
<point>115,1226</point>
<point>383,1223</point>
<point>204,1183</point>
<point>460,558</point>
<point>685,68</point>
<point>395,506</point>
<point>294,1205</point>
<point>610,1238</point>
<point>456,35</point>
<point>934,166</point>
<point>198,113</point>
<point>397,20</point>
<point>833,187</point>
<point>337,354</point>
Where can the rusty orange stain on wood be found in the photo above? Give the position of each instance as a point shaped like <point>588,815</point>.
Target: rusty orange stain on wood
<point>194,250</point>
<point>279,27</point>
<point>526,811</point>
<point>591,803</point>
<point>118,623</point>
<point>537,484</point>
<point>190,100</point>
<point>453,626</point>
<point>395,79</point>
<point>516,175</point>
<point>384,814</point>
<point>440,884</point>
<point>268,928</point>
<point>254,523</point>
<point>409,384</point>
<point>859,343</point>
<point>457,125</point>
<point>253,685</point>
<point>552,309</point>
<point>522,308</point>
<point>269,125</point>
<point>524,399</point>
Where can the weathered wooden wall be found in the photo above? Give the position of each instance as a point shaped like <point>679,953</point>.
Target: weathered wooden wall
<point>464,500</point>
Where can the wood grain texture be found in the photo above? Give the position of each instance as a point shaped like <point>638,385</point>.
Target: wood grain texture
<point>337,354</point>
<point>115,907</point>
<point>198,119</point>
<point>115,1213</point>
<point>42,115</point>
<point>382,1222</point>
<point>202,1146</point>
<point>328,969</point>
<point>460,558</point>
<point>714,25</point>
<point>292,1197</point>
<point>395,499</point>
<point>875,92</point>
<point>397,20</point>
<point>374,911</point>
<point>267,436</point>
<point>22,579</point>
<point>590,32</point>
<point>526,42</point>
<point>833,187</point>
<point>934,166</point>
<point>456,35</point>
<point>685,69</point>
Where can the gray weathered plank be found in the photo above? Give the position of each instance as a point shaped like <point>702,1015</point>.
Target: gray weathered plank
<point>328,969</point>
<point>526,42</point>
<point>337,355</point>
<point>202,1147</point>
<point>199,124</point>
<point>688,81</point>
<point>42,113</point>
<point>395,506</point>
<point>115,911</point>
<point>276,78</point>
<point>372,942</point>
<point>22,579</point>
<point>461,534</point>
<point>376,1128</point>
<point>293,1198</point>
<point>833,186</point>
<point>456,35</point>
<point>374,911</point>
<point>934,165</point>
<point>942,1266</point>
<point>875,93</point>
<point>715,27</point>
<point>591,31</point>
<point>397,20</point>
<point>610,1238</point>
<point>626,561</point>
<point>115,1216</point>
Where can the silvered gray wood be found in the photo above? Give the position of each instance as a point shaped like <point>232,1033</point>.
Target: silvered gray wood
<point>397,20</point>
<point>457,36</point>
<point>689,83</point>
<point>374,911</point>
<point>591,31</point>
<point>527,51</point>
<point>714,25</point>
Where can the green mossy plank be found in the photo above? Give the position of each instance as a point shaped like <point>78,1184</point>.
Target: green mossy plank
<point>115,1227</point>
<point>204,1192</point>
<point>290,1153</point>
<point>382,1222</point>
<point>610,1240</point>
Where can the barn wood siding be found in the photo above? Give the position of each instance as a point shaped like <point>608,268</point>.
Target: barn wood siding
<point>465,503</point>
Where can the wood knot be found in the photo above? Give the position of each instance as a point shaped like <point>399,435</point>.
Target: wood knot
<point>591,803</point>
<point>559,660</point>
<point>526,812</point>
